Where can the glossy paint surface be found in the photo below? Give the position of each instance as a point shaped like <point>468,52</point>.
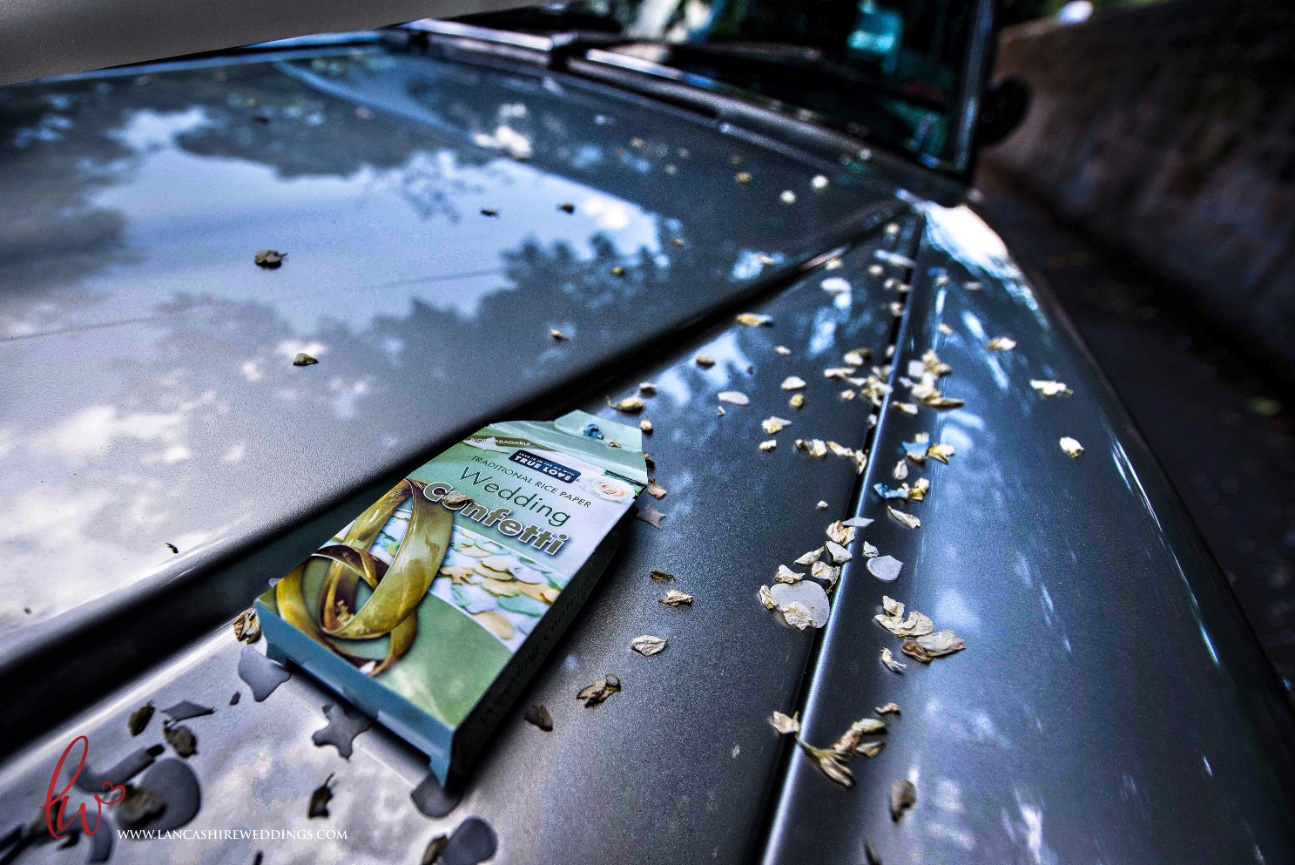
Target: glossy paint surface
<point>1111,705</point>
<point>675,767</point>
<point>150,397</point>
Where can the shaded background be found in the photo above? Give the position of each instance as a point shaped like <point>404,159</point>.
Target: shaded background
<point>1153,185</point>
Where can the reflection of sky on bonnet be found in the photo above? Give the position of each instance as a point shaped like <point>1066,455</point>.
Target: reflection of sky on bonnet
<point>173,220</point>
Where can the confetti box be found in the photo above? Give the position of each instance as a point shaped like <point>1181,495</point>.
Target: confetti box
<point>432,609</point>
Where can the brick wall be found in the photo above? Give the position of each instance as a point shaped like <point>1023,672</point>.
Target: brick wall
<point>1170,130</point>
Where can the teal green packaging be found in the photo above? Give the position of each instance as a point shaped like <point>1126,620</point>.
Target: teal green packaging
<point>431,610</point>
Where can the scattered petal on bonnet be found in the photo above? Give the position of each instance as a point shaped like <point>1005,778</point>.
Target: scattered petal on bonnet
<point>903,796</point>
<point>793,382</point>
<point>1048,387</point>
<point>1071,447</point>
<point>773,425</point>
<point>891,664</point>
<point>647,644</point>
<point>734,397</point>
<point>787,575</point>
<point>753,319</point>
<point>906,519</point>
<point>784,724</point>
<point>630,404</point>
<point>807,559</point>
<point>885,568</point>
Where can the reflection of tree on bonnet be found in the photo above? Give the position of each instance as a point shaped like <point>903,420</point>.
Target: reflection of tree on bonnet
<point>166,391</point>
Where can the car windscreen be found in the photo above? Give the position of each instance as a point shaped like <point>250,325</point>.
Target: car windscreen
<point>889,71</point>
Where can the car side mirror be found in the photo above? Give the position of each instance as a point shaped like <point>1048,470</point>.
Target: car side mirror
<point>1004,107</point>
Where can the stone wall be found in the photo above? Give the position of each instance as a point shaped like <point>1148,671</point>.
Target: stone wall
<point>1169,130</point>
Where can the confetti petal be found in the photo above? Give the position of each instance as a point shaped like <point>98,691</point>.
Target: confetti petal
<point>885,568</point>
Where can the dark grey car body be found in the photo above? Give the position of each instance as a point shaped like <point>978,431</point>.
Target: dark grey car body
<point>1112,705</point>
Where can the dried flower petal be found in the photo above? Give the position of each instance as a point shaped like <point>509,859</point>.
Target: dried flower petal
<point>648,645</point>
<point>905,407</point>
<point>180,738</point>
<point>869,749</point>
<point>592,695</point>
<point>782,349</point>
<point>269,259</point>
<point>826,573</point>
<point>774,425</point>
<point>797,401</point>
<point>661,576</point>
<point>787,197</point>
<point>734,397</point>
<point>840,450</point>
<point>793,382</point>
<point>903,796</point>
<point>840,533</point>
<point>840,555</point>
<point>646,426</point>
<point>906,519</point>
<point>889,709</point>
<point>139,719</point>
<point>941,643</point>
<point>784,724</point>
<point>857,522</point>
<point>656,491</point>
<point>319,799</point>
<point>558,335</point>
<point>857,357</point>
<point>830,764</point>
<point>810,599</point>
<point>540,717</point>
<point>618,270</point>
<point>797,615</point>
<point>1071,447</point>
<point>1047,387</point>
<point>891,664</point>
<point>630,404</point>
<point>940,452</point>
<point>754,319</point>
<point>432,853</point>
<point>766,598</point>
<point>247,627</point>
<point>885,568</point>
<point>303,359</point>
<point>457,500</point>
<point>1001,343</point>
<point>787,575</point>
<point>807,559</point>
<point>676,598</point>
<point>769,445</point>
<point>704,362</point>
<point>647,388</point>
<point>743,177</point>
<point>945,329</point>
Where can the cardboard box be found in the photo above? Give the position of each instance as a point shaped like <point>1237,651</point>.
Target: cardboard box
<point>432,609</point>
